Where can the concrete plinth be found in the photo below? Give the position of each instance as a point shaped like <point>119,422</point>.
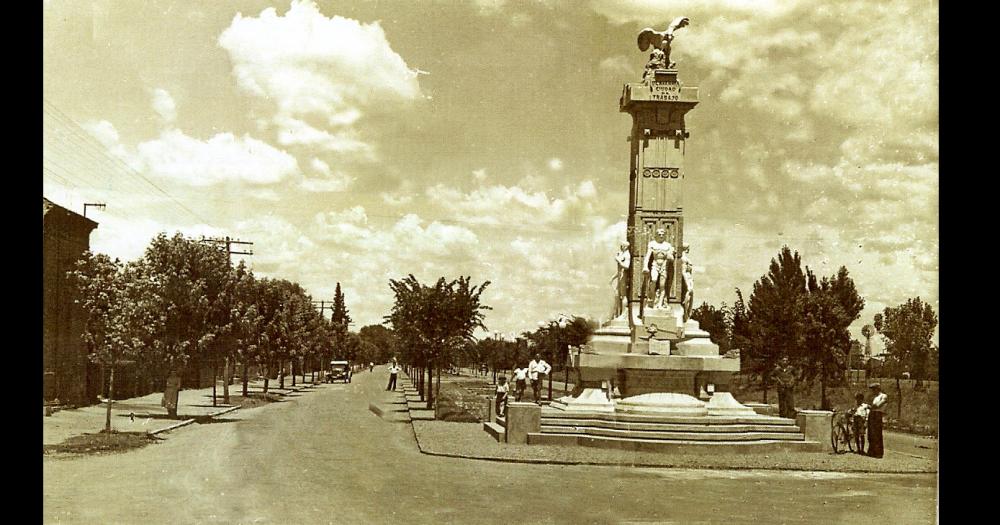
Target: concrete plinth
<point>523,418</point>
<point>816,425</point>
<point>699,346</point>
<point>590,400</point>
<point>724,404</point>
<point>672,404</point>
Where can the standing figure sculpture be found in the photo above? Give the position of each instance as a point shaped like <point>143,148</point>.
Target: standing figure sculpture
<point>623,261</point>
<point>687,283</point>
<point>659,264</point>
<point>660,40</point>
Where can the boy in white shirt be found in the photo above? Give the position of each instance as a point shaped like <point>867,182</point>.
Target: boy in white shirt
<point>520,382</point>
<point>859,419</point>
<point>501,397</point>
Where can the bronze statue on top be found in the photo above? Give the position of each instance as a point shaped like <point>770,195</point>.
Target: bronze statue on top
<point>660,40</point>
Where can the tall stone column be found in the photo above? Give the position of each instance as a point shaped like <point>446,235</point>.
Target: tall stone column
<point>657,105</point>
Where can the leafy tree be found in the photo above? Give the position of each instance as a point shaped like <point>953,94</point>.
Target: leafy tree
<point>739,332</point>
<point>119,325</point>
<point>715,321</point>
<point>340,320</point>
<point>831,306</point>
<point>425,318</point>
<point>775,316</point>
<point>188,282</point>
<point>907,330</point>
<point>381,339</point>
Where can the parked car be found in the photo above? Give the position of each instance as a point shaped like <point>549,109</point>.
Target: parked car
<point>339,371</point>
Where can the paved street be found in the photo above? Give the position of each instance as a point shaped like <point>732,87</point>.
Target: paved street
<point>322,457</point>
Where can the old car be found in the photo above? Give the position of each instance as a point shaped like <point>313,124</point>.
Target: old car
<point>339,371</point>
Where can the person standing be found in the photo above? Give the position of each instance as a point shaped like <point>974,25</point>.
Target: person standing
<point>859,419</point>
<point>501,396</point>
<point>536,369</point>
<point>371,366</point>
<point>875,415</point>
<point>520,382</point>
<point>393,372</point>
<point>784,375</point>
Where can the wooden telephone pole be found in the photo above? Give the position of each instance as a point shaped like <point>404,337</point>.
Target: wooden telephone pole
<point>227,243</point>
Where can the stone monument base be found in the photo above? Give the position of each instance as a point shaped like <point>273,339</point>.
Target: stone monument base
<point>590,400</point>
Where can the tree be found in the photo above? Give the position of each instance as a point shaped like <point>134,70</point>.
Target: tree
<point>831,306</point>
<point>426,317</point>
<point>775,316</point>
<point>382,339</point>
<point>739,331</point>
<point>119,326</point>
<point>340,320</point>
<point>717,322</point>
<point>188,281</point>
<point>907,330</point>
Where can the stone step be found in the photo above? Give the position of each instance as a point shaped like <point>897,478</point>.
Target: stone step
<point>669,427</point>
<point>495,430</point>
<point>679,446</point>
<point>676,436</point>
<point>549,414</point>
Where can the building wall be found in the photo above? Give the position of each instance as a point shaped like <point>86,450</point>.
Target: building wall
<point>65,236</point>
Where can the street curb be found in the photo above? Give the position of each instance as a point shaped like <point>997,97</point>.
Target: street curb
<point>226,411</point>
<point>674,467</point>
<point>184,423</point>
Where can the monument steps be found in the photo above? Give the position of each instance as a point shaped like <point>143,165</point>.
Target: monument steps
<point>554,415</point>
<point>675,446</point>
<point>496,430</point>
<point>670,427</point>
<point>734,436</point>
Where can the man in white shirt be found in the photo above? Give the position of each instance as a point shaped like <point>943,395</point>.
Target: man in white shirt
<point>520,382</point>
<point>877,408</point>
<point>393,372</point>
<point>537,368</point>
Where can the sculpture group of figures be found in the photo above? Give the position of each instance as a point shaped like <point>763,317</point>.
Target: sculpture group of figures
<point>658,275</point>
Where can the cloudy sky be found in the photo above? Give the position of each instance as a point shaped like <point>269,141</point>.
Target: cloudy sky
<point>360,141</point>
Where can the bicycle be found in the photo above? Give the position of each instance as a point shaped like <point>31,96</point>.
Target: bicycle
<point>841,436</point>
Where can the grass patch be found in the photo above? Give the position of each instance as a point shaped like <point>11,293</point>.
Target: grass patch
<point>919,413</point>
<point>101,443</point>
<point>255,400</point>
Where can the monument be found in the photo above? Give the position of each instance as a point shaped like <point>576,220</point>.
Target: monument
<point>651,352</point>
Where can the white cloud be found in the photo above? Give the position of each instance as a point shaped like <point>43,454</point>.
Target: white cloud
<point>307,64</point>
<point>480,174</point>
<point>222,158</point>
<point>555,164</point>
<point>164,105</point>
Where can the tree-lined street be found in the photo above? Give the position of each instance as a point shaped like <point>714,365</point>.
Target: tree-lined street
<point>322,457</point>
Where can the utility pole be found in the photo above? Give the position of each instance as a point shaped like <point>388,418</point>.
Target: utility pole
<point>323,306</point>
<point>227,243</point>
<point>86,205</point>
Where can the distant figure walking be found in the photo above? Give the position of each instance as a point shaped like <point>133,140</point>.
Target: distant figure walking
<point>536,369</point>
<point>875,420</point>
<point>371,366</point>
<point>393,372</point>
<point>484,370</point>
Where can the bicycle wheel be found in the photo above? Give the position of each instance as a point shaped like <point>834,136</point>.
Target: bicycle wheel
<point>834,429</point>
<point>838,439</point>
<point>849,434</point>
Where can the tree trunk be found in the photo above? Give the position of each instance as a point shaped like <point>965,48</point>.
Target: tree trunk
<point>111,391</point>
<point>437,388</point>
<point>246,380</point>
<point>225,384</point>
<point>281,374</point>
<point>899,400</point>
<point>215,381</point>
<point>430,384</point>
<point>824,403</point>
<point>302,368</point>
<point>266,377</point>
<point>291,367</point>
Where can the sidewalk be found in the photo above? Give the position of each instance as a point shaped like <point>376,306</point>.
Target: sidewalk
<point>149,416</point>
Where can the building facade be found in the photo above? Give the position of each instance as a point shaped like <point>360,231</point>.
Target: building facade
<point>67,373</point>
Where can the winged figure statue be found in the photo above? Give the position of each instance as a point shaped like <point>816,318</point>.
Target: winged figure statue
<point>660,41</point>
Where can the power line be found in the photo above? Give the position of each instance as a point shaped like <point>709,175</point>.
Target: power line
<point>76,128</point>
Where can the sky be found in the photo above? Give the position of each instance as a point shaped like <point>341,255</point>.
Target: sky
<point>357,142</point>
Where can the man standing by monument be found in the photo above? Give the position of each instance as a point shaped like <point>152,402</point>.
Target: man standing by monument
<point>659,264</point>
<point>620,281</point>
<point>537,368</point>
